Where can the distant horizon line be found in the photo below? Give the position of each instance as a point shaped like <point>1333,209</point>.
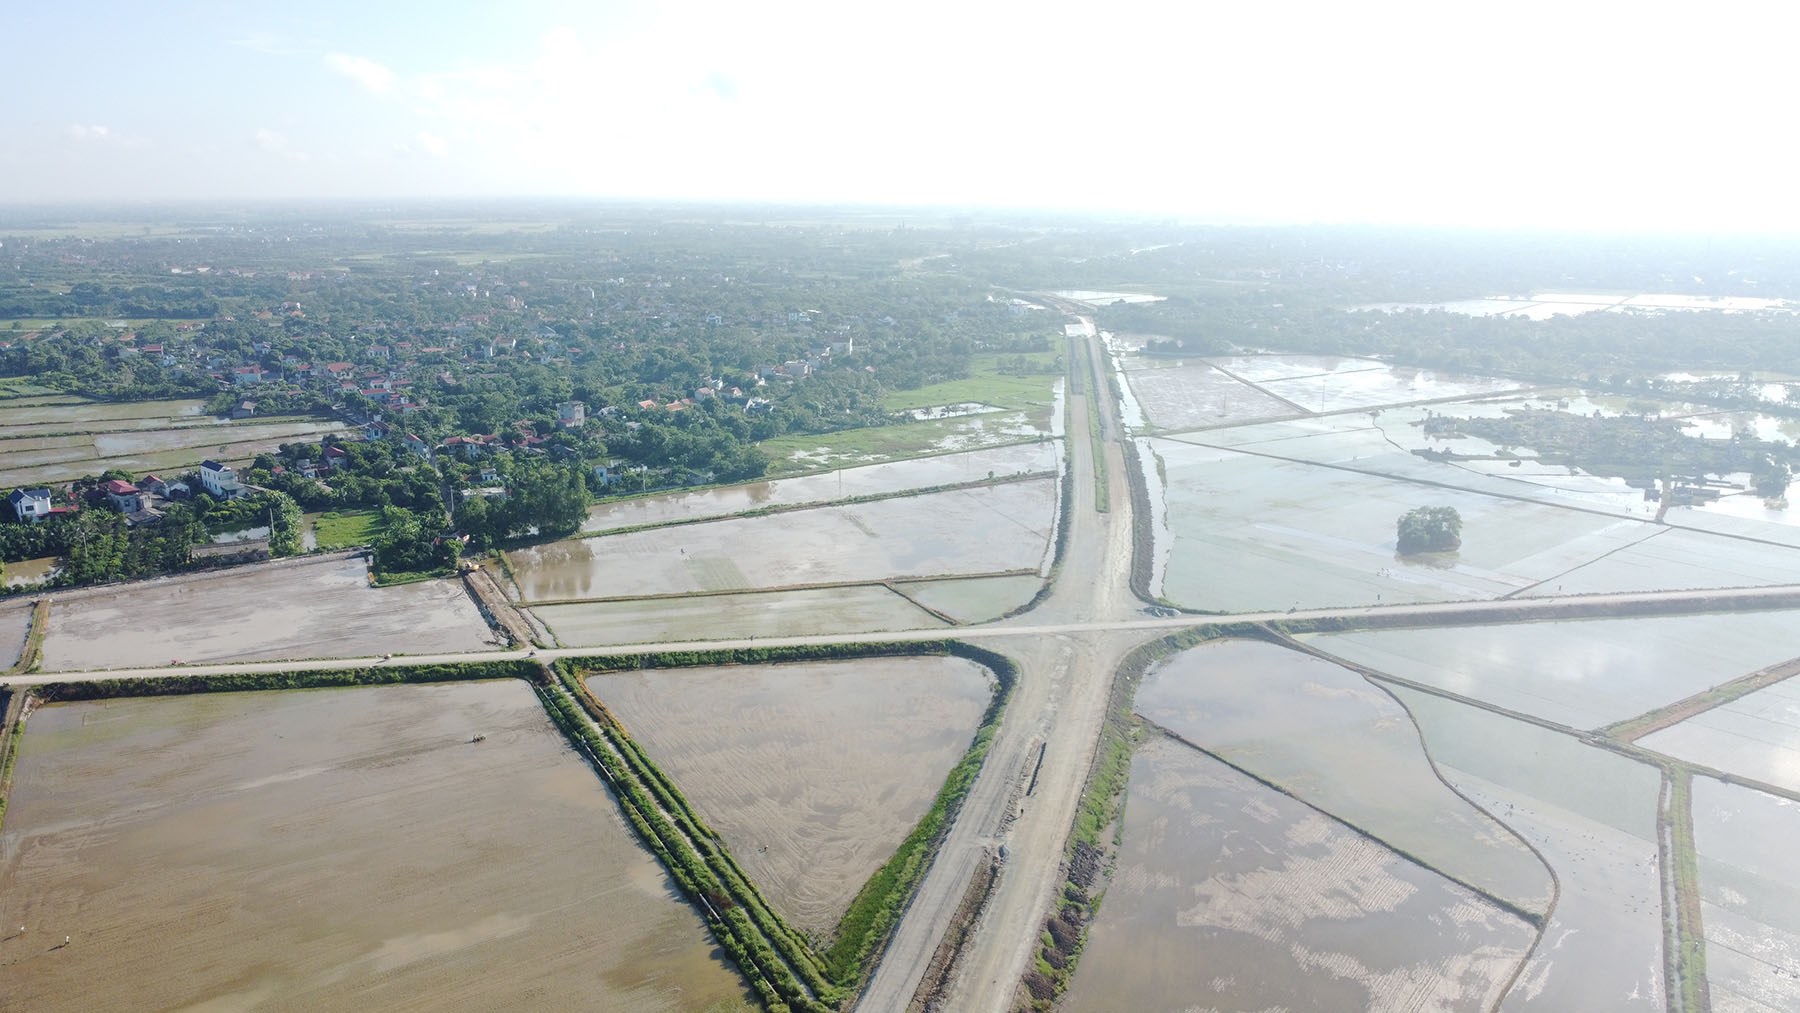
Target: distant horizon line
<point>131,208</point>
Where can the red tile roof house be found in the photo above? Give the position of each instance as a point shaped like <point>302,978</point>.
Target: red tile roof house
<point>126,498</point>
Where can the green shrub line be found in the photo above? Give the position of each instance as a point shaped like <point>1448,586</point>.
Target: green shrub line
<point>1101,806</point>
<point>235,682</point>
<point>11,735</point>
<point>870,919</point>
<point>746,941</point>
<point>1690,951</point>
<point>873,913</point>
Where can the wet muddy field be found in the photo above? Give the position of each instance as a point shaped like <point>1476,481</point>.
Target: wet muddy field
<point>319,608</point>
<point>1230,896</point>
<point>332,849</point>
<point>813,772</point>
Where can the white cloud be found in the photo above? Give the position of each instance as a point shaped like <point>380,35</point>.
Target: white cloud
<point>275,142</point>
<point>370,75</point>
<point>433,145</point>
<point>86,132</point>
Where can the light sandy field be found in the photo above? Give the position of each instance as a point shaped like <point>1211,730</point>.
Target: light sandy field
<point>865,609</point>
<point>1325,734</point>
<point>1231,896</point>
<point>969,531</point>
<point>313,609</point>
<point>868,480</point>
<point>1252,533</point>
<point>15,619</point>
<point>813,772</point>
<point>1756,736</point>
<point>1751,897</point>
<point>1593,814</point>
<point>1195,395</point>
<point>973,599</point>
<point>1584,674</point>
<point>333,850</point>
<point>1676,559</point>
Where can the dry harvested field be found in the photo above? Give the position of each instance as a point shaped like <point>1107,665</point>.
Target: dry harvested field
<point>1586,673</point>
<point>1193,395</point>
<point>813,772</point>
<point>863,609</point>
<point>321,608</point>
<point>1592,813</point>
<point>332,849</point>
<point>1229,895</point>
<point>1756,735</point>
<point>969,531</point>
<point>1251,533</point>
<point>1750,897</point>
<point>868,480</point>
<point>1325,734</point>
<point>973,599</point>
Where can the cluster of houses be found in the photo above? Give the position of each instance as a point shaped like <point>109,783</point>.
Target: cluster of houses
<point>141,502</point>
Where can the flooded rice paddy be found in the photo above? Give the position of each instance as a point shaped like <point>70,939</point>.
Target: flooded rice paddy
<point>1592,813</point>
<point>1324,734</point>
<point>869,480</point>
<point>868,608</point>
<point>813,772</point>
<point>987,530</point>
<point>1584,674</point>
<point>1230,896</point>
<point>15,620</point>
<point>332,849</point>
<point>973,599</point>
<point>1250,533</point>
<point>1750,896</point>
<point>318,608</point>
<point>1755,736</point>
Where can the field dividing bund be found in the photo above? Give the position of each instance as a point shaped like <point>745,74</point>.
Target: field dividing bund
<point>784,967</point>
<point>31,647</point>
<point>1633,729</point>
<point>1688,961</point>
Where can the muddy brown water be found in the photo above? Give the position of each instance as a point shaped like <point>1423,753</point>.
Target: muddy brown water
<point>1230,896</point>
<point>343,849</point>
<point>813,772</point>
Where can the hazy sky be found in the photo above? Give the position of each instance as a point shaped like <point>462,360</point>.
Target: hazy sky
<point>1582,114</point>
